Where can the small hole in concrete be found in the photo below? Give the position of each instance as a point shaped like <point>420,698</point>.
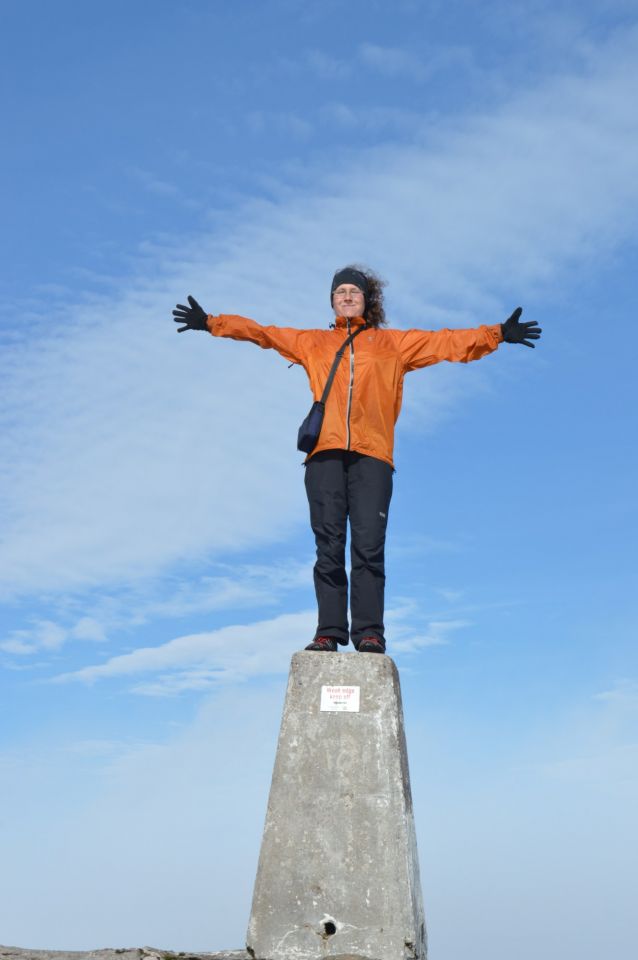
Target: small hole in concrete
<point>329,928</point>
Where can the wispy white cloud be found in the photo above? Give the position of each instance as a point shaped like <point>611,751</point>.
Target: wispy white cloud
<point>622,696</point>
<point>449,594</point>
<point>46,635</point>
<point>88,629</point>
<point>387,120</point>
<point>290,124</point>
<point>95,617</point>
<point>393,61</point>
<point>401,62</point>
<point>161,188</point>
<point>202,661</point>
<point>17,646</point>
<point>127,449</point>
<point>610,769</point>
<point>411,632</point>
<point>327,66</point>
<point>419,544</point>
<point>595,748</point>
<point>387,61</point>
<point>236,586</point>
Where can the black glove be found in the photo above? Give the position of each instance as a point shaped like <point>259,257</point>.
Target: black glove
<point>515,332</point>
<point>193,317</point>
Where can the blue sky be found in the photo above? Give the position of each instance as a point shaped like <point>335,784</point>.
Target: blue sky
<point>156,557</point>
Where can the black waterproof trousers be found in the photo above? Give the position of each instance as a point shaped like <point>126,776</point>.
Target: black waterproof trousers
<point>343,485</point>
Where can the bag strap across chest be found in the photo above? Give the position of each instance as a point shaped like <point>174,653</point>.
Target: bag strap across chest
<point>337,360</point>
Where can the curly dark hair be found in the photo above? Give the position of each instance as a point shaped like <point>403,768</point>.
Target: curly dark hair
<point>374,312</point>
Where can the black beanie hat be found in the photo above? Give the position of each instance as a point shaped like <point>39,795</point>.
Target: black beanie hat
<point>350,275</point>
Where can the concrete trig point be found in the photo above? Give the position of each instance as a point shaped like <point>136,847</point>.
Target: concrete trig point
<point>338,872</point>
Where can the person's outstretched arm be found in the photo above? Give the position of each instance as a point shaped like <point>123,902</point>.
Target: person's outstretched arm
<point>422,348</point>
<point>287,341</point>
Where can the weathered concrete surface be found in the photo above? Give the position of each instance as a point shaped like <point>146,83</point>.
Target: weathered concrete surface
<point>132,953</point>
<point>338,872</point>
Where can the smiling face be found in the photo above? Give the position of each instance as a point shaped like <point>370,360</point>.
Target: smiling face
<point>348,301</point>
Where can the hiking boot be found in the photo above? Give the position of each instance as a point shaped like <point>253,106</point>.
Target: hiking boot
<point>371,645</point>
<point>326,644</point>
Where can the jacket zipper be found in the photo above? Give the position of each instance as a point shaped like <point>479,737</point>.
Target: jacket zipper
<point>349,391</point>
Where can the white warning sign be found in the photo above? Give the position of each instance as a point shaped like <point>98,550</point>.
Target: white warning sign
<point>340,699</point>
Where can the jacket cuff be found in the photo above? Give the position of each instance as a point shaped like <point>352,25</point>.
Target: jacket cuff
<point>498,332</point>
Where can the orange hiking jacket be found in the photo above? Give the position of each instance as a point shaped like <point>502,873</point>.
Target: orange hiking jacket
<point>365,400</point>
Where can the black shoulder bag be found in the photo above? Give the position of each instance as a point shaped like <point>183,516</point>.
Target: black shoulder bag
<point>311,427</point>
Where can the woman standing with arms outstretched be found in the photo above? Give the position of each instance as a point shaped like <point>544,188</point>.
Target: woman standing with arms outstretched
<point>348,474</point>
